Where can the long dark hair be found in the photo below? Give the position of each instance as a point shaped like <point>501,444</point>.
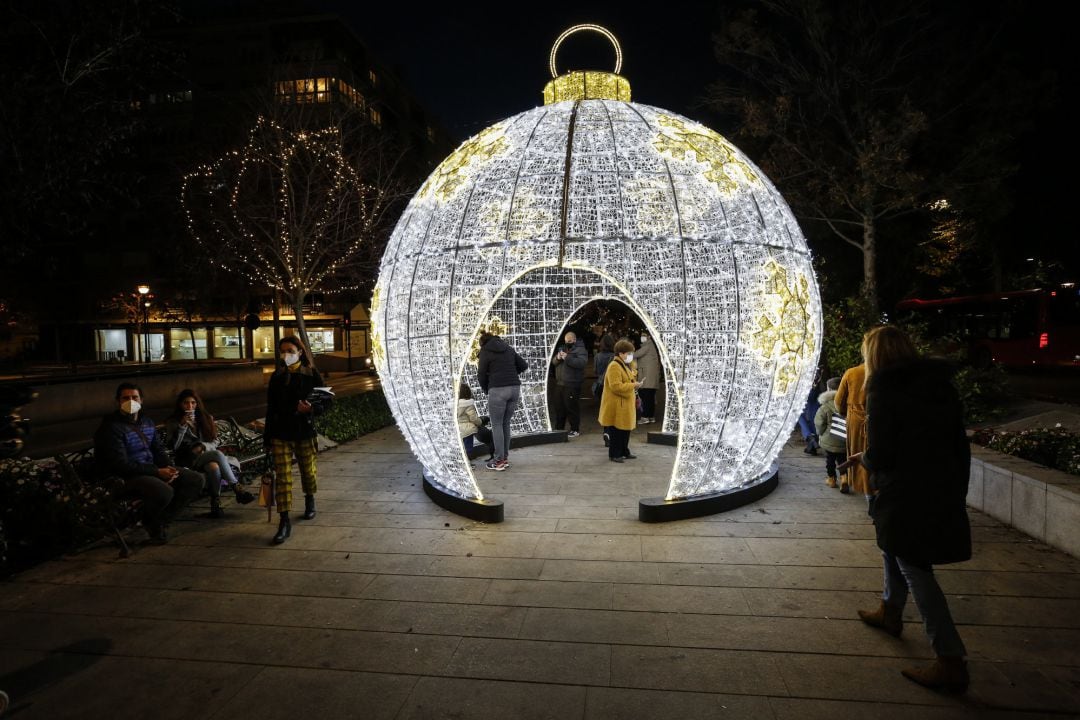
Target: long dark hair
<point>607,343</point>
<point>204,421</point>
<point>305,358</point>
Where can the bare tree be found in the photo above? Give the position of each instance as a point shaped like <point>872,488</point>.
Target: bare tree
<point>297,209</point>
<point>829,90</point>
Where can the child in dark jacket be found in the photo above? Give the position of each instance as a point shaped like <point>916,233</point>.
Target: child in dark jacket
<point>835,447</point>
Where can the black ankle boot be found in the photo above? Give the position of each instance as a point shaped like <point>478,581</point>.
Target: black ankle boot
<point>215,509</point>
<point>309,507</point>
<point>284,529</point>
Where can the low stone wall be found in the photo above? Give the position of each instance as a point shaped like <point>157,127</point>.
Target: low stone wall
<point>1036,500</point>
<point>92,398</point>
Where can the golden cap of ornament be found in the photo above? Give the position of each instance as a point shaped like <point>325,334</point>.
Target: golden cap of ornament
<point>586,84</point>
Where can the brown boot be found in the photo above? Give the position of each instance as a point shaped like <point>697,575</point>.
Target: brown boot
<point>886,618</point>
<point>947,674</point>
<point>830,481</point>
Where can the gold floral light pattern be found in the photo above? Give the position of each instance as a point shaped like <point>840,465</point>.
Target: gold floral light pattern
<point>454,170</point>
<point>378,353</point>
<point>784,328</point>
<point>494,326</point>
<point>696,143</point>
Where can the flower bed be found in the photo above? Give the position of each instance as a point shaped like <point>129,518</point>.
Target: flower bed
<point>1055,448</point>
<point>45,511</point>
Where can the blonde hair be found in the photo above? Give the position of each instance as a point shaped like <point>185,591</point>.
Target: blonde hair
<point>886,345</point>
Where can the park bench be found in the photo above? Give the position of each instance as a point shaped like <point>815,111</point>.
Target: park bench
<point>246,446</point>
<point>119,512</point>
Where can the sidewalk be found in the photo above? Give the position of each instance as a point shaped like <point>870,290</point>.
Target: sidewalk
<point>386,606</point>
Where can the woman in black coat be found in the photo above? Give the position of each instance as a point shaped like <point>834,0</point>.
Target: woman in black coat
<point>918,458</point>
<point>291,409</point>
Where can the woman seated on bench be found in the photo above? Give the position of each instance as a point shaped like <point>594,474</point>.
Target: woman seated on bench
<point>191,435</point>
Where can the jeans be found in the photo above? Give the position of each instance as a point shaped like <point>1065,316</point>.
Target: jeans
<point>900,576</point>
<point>468,440</point>
<point>502,404</point>
<point>213,478</point>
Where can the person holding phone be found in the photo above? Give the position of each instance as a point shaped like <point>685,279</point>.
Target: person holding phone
<point>617,404</point>
<point>569,363</point>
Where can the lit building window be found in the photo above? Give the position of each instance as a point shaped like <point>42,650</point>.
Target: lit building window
<point>373,78</point>
<point>376,118</point>
<point>317,90</point>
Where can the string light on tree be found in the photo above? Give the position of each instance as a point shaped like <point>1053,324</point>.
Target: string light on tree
<point>289,210</point>
<point>589,197</point>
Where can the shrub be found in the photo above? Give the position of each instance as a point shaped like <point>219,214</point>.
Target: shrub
<point>353,416</point>
<point>1056,448</point>
<point>982,391</point>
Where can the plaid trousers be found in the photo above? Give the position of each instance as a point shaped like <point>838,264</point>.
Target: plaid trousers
<point>283,451</point>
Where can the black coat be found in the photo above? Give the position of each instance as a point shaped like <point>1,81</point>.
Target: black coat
<point>919,462</point>
<point>499,365</point>
<point>285,390</point>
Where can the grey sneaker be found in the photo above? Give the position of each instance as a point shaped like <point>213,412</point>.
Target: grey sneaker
<point>572,434</point>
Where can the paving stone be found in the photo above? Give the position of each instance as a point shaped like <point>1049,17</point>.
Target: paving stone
<point>388,605</point>
<point>621,703</point>
<point>105,688</point>
<point>461,699</point>
<point>550,593</point>
<point>525,660</point>
<point>722,671</point>
<point>290,693</point>
<point>590,547</point>
<point>595,626</point>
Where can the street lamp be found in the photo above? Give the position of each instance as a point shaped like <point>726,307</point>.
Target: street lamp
<point>144,293</point>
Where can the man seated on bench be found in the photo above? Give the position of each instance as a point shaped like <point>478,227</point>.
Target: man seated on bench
<point>128,445</point>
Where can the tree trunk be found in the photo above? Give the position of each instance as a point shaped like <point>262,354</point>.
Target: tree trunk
<point>194,347</point>
<point>870,289</point>
<point>301,328</point>
<point>277,320</point>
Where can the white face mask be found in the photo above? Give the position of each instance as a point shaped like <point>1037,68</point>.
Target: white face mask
<point>290,358</point>
<point>629,358</point>
<point>644,339</point>
<point>131,406</point>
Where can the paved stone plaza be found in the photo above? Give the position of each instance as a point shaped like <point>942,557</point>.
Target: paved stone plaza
<point>386,606</point>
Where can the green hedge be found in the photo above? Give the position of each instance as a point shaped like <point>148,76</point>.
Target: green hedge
<point>1056,448</point>
<point>355,415</point>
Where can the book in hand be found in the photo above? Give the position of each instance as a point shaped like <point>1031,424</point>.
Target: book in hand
<point>321,398</point>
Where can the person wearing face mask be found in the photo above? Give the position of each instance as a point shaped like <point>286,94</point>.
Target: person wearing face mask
<point>648,366</point>
<point>617,403</point>
<point>128,445</point>
<point>569,363</point>
<point>290,429</point>
<point>191,434</point>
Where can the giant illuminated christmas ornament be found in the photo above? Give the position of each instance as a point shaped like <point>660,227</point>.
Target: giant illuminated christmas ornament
<point>592,196</point>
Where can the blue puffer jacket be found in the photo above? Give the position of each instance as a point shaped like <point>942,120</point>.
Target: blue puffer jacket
<point>119,449</point>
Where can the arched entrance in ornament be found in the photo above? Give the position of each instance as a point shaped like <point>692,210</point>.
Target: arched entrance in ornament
<point>530,313</point>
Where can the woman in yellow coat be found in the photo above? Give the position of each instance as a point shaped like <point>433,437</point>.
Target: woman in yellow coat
<point>618,407</point>
<point>851,403</point>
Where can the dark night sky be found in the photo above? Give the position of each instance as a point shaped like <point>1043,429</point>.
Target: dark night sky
<point>482,63</point>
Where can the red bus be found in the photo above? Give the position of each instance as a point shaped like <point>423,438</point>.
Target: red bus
<point>1014,329</point>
